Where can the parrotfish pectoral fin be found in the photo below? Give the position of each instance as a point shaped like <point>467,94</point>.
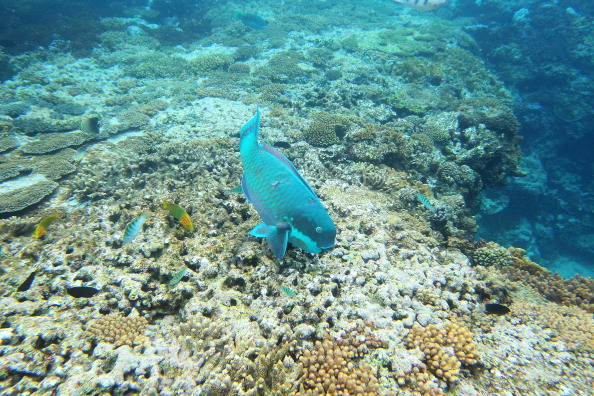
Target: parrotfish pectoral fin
<point>278,238</point>
<point>260,231</point>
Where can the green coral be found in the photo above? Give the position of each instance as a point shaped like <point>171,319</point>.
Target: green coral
<point>405,105</point>
<point>326,129</point>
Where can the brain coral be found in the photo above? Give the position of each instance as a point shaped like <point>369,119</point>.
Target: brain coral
<point>326,129</point>
<point>21,198</point>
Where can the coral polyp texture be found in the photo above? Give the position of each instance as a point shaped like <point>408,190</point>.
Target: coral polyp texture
<point>394,122</point>
<point>118,330</point>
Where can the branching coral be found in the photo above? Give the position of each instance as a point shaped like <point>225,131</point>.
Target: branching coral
<point>335,367</point>
<point>445,348</point>
<point>118,330</point>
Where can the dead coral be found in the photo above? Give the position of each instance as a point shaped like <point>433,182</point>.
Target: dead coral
<point>118,330</point>
<point>234,364</point>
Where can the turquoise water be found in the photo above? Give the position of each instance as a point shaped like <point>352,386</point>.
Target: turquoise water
<point>450,145</point>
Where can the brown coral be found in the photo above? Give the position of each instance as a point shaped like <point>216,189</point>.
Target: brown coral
<point>118,330</point>
<point>334,367</point>
<point>446,348</point>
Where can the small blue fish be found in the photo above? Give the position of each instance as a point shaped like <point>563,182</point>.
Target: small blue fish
<point>134,228</point>
<point>290,209</point>
<point>251,20</point>
<point>425,201</point>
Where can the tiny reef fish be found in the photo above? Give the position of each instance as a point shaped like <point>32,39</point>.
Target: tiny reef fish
<point>422,5</point>
<point>41,228</point>
<point>289,208</point>
<point>134,227</point>
<point>251,20</point>
<point>179,214</point>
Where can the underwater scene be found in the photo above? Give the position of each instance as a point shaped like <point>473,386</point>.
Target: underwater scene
<point>307,197</point>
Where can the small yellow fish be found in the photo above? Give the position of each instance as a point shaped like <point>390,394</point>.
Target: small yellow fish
<point>41,228</point>
<point>421,5</point>
<point>179,214</point>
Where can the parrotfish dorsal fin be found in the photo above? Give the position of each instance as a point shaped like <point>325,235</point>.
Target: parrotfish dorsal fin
<point>285,161</point>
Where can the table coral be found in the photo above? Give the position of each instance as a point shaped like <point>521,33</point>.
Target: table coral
<point>23,197</point>
<point>50,142</point>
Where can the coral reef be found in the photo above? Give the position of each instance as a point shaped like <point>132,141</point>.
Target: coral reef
<point>335,365</point>
<point>23,197</point>
<point>445,349</point>
<point>326,129</point>
<point>50,142</point>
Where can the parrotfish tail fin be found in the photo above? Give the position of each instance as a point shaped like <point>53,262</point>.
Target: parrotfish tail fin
<point>249,132</point>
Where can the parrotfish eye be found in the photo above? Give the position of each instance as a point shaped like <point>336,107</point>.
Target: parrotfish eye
<point>319,230</point>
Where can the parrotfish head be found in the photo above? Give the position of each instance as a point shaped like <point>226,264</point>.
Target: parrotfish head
<point>313,235</point>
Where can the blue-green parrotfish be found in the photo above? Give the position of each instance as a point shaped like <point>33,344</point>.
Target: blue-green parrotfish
<point>289,208</point>
<point>251,20</point>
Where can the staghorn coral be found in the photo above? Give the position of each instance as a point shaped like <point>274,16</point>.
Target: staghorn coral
<point>118,330</point>
<point>205,63</point>
<point>326,129</point>
<point>335,366</point>
<point>239,364</point>
<point>445,348</point>
<point>23,197</point>
<point>55,141</point>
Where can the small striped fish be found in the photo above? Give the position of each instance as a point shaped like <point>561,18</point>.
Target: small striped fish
<point>134,228</point>
<point>425,201</point>
<point>421,5</point>
<point>177,277</point>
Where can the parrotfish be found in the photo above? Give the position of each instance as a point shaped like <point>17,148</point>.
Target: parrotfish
<point>41,228</point>
<point>134,228</point>
<point>422,5</point>
<point>289,208</point>
<point>251,20</point>
<point>179,214</point>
